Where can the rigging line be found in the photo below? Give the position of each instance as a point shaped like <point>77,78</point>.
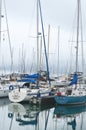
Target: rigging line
<point>72,42</point>
<point>77,37</point>
<point>9,38</point>
<point>58,50</point>
<point>44,40</point>
<point>73,27</point>
<point>48,41</point>
<point>32,65</point>
<point>31,21</point>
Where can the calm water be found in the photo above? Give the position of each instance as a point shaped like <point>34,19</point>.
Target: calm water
<point>15,116</point>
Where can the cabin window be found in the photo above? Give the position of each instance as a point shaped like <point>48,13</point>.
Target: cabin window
<point>68,92</point>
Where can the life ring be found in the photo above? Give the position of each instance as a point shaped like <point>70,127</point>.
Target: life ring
<point>10,115</point>
<point>11,87</point>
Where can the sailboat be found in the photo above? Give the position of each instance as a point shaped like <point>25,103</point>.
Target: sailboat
<point>38,91</point>
<point>27,89</point>
<point>75,92</point>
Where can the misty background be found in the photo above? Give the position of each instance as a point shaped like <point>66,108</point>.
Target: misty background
<point>21,17</point>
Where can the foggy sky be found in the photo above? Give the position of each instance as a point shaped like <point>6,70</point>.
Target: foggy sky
<point>21,16</point>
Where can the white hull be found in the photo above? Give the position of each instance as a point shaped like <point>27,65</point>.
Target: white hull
<point>25,94</point>
<point>5,89</point>
<point>4,92</point>
<point>17,96</point>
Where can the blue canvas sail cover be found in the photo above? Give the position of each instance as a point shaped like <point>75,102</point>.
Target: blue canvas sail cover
<point>74,80</point>
<point>27,80</point>
<point>32,76</point>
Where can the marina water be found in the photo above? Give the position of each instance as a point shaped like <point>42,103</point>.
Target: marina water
<point>16,116</point>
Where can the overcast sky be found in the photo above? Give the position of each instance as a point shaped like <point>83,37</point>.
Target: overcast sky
<point>21,16</point>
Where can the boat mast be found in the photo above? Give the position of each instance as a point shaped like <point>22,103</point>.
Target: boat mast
<point>77,43</point>
<point>11,53</point>
<point>81,39</point>
<point>37,38</point>
<point>48,41</point>
<point>58,51</point>
<point>44,41</point>
<point>37,20</point>
<point>40,51</point>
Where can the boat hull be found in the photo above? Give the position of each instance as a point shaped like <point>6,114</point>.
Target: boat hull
<point>69,100</point>
<point>23,94</point>
<point>17,95</point>
<point>4,93</point>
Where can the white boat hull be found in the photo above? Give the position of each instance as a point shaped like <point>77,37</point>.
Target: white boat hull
<point>4,92</point>
<point>17,95</point>
<point>24,94</point>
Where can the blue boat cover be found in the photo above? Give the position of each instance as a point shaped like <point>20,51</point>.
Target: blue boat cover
<point>32,76</point>
<point>27,80</point>
<point>74,80</point>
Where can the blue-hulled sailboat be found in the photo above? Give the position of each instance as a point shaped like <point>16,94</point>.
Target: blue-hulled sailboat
<point>75,92</point>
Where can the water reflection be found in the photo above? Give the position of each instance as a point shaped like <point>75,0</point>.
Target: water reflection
<point>73,123</point>
<point>34,117</point>
<point>71,113</point>
<point>4,102</point>
<point>69,110</point>
<point>29,115</point>
<point>24,114</point>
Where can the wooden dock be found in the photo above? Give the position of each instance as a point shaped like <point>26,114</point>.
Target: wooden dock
<point>43,100</point>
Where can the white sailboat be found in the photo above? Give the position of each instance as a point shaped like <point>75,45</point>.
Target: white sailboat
<point>25,94</point>
<point>27,89</point>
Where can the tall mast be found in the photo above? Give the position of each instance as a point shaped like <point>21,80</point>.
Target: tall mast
<point>58,50</point>
<point>77,43</point>
<point>11,53</point>
<point>37,37</point>
<point>48,41</point>
<point>40,50</point>
<point>44,40</point>
<point>81,39</point>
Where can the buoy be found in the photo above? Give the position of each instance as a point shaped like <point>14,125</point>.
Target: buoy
<point>58,93</point>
